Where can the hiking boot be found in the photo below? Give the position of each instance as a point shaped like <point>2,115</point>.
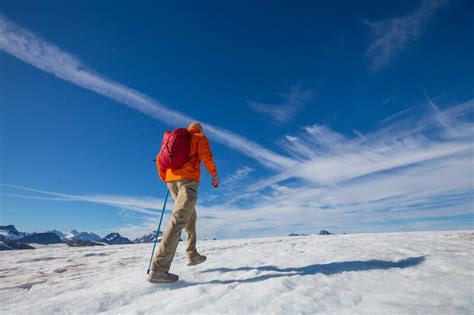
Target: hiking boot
<point>196,260</point>
<point>162,277</point>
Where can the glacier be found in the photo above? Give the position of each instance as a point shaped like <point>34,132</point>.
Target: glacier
<point>382,273</point>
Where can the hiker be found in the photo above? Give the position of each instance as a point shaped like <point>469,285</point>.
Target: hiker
<point>183,183</point>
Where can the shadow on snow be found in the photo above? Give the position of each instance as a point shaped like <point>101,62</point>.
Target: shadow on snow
<point>326,269</point>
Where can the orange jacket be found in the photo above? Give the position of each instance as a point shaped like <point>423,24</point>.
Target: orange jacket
<point>200,150</point>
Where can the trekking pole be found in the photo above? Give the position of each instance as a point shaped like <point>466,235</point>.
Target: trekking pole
<point>157,232</point>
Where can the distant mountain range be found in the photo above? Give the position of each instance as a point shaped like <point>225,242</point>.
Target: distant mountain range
<point>11,238</point>
<point>77,236</point>
<point>41,238</point>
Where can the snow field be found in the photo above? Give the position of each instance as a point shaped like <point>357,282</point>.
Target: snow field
<point>415,273</point>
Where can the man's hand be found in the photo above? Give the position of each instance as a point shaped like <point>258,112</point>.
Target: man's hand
<point>215,181</point>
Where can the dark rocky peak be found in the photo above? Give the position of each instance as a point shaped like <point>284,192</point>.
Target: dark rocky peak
<point>41,238</point>
<point>10,228</point>
<point>116,239</point>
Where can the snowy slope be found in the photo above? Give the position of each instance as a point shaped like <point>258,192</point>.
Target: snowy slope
<point>416,273</point>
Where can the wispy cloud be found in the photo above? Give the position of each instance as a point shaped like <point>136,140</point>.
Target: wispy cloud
<point>143,205</point>
<point>327,157</point>
<point>393,35</point>
<point>28,47</point>
<point>414,171</point>
<point>282,113</point>
<point>412,168</point>
<point>237,176</point>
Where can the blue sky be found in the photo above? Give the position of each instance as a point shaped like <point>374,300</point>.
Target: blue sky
<point>352,117</point>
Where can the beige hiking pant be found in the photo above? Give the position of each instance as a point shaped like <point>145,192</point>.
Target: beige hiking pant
<point>184,193</point>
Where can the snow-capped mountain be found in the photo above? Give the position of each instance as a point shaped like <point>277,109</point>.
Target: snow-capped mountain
<point>77,236</point>
<point>116,239</point>
<point>86,236</point>
<point>71,234</point>
<point>11,233</point>
<point>60,234</point>
<point>149,238</point>
<point>72,238</point>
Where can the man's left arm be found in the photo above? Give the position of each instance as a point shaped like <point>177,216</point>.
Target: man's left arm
<point>205,154</point>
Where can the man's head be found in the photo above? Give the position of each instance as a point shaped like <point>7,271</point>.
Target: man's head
<point>196,127</point>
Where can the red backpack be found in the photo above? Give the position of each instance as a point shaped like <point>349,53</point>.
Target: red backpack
<point>175,148</point>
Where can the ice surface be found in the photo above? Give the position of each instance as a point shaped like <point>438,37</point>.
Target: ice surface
<point>415,273</point>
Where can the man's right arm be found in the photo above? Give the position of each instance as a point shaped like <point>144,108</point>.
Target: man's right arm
<point>161,171</point>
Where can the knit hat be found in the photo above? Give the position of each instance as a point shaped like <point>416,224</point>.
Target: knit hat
<point>195,126</point>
